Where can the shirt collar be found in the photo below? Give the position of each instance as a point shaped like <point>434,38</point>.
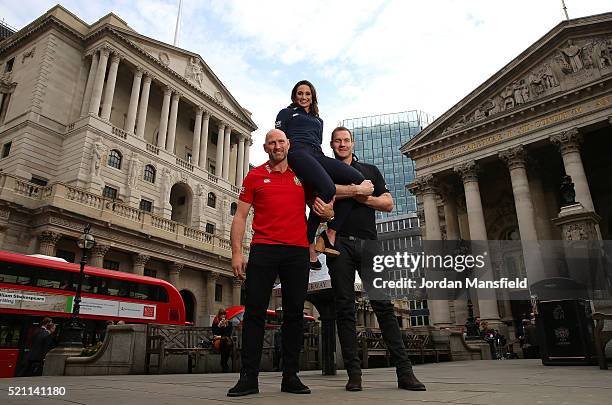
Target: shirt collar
<point>269,168</point>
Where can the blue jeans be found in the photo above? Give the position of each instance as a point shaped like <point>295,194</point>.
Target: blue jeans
<point>322,173</point>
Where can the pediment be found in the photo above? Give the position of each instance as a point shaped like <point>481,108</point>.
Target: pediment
<point>191,67</point>
<point>556,64</point>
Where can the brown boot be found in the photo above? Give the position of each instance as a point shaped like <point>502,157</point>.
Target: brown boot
<point>354,383</point>
<point>408,381</point>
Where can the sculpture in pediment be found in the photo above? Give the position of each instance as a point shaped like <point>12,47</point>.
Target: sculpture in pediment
<point>194,71</point>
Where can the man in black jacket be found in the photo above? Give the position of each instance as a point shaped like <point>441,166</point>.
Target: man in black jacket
<point>360,227</point>
<point>42,342</point>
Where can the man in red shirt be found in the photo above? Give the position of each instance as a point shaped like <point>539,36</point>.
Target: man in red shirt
<point>279,247</point>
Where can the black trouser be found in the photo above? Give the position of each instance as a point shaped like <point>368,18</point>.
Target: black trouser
<point>322,173</point>
<point>342,272</point>
<point>290,263</point>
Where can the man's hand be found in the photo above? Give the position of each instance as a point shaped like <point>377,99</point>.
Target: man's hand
<point>238,265</point>
<point>323,210</point>
<point>365,188</point>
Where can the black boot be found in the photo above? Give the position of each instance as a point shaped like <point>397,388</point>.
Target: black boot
<point>293,385</point>
<point>408,381</point>
<point>354,383</point>
<point>244,386</point>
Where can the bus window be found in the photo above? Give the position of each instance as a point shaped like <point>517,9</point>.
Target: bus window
<point>15,274</point>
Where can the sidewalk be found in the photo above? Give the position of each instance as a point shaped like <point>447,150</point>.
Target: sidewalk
<point>496,382</point>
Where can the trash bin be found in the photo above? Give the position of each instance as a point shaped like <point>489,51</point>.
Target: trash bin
<point>563,324</point>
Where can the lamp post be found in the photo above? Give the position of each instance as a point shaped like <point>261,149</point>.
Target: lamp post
<point>72,333</point>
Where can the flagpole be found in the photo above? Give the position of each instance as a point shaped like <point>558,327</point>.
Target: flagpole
<point>178,21</point>
<point>565,9</point>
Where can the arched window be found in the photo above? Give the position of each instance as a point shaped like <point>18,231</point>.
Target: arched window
<point>149,173</point>
<point>233,208</point>
<point>212,200</point>
<point>114,159</point>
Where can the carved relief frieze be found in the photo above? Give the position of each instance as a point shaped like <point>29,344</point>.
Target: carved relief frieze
<point>163,58</point>
<point>194,71</point>
<point>574,63</point>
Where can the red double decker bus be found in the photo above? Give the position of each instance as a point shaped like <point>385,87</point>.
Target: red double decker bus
<point>34,287</point>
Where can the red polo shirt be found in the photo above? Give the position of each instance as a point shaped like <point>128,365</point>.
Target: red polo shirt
<point>279,204</point>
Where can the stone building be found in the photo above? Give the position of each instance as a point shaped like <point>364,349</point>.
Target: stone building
<point>491,167</point>
<point>102,125</point>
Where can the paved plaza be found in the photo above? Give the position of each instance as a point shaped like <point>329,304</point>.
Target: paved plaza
<point>468,382</point>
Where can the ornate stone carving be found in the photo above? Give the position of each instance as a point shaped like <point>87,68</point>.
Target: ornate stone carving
<point>514,157</point>
<point>140,259</point>
<point>99,250</point>
<point>571,65</point>
<point>164,185</point>
<point>426,184</point>
<point>194,71</point>
<point>163,58</point>
<point>212,276</point>
<point>568,193</point>
<point>4,214</point>
<point>219,97</point>
<point>468,171</point>
<point>175,268</point>
<point>134,172</point>
<point>28,54</point>
<point>49,237</point>
<point>97,155</point>
<point>568,141</point>
<point>576,231</point>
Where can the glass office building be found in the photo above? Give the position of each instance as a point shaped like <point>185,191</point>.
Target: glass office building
<point>378,139</point>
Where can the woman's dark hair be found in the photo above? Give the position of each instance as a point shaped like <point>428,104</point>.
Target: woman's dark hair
<point>314,104</point>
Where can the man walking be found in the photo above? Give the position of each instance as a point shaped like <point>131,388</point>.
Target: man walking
<point>357,229</point>
<point>279,247</point>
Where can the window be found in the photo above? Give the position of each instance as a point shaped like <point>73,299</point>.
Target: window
<point>212,200</point>
<point>181,200</point>
<point>211,167</point>
<point>233,208</point>
<point>9,65</point>
<point>146,205</point>
<point>210,228</point>
<point>114,159</point>
<point>110,265</point>
<point>6,149</point>
<point>38,181</point>
<point>150,273</point>
<point>109,192</point>
<point>188,157</point>
<point>218,292</point>
<point>149,173</point>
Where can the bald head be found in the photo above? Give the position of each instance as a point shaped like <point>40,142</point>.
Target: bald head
<point>274,133</point>
<point>276,145</point>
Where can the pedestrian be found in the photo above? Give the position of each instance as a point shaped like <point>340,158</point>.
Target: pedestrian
<point>222,337</point>
<point>301,123</point>
<point>278,248</point>
<point>43,341</point>
<point>357,230</point>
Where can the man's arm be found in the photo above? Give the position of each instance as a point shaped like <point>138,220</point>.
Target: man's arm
<point>236,237</point>
<point>383,202</point>
<point>354,190</point>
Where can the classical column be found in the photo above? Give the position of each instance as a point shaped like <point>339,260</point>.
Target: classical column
<point>174,272</point>
<point>172,122</point>
<point>163,120</point>
<point>516,160</point>
<point>451,219</point>
<point>478,230</point>
<point>197,130</point>
<point>427,186</point>
<point>143,107</point>
<point>204,141</point>
<point>226,152</point>
<point>138,263</point>
<point>568,143</point>
<point>247,147</point>
<point>96,91</point>
<point>96,255</point>
<point>236,290</point>
<point>240,164</point>
<point>130,122</point>
<point>220,147</point>
<point>110,87</point>
<point>538,198</point>
<point>47,241</point>
<point>211,281</point>
<point>90,82</point>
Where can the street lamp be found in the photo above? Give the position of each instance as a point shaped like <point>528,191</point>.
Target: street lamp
<point>72,334</point>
